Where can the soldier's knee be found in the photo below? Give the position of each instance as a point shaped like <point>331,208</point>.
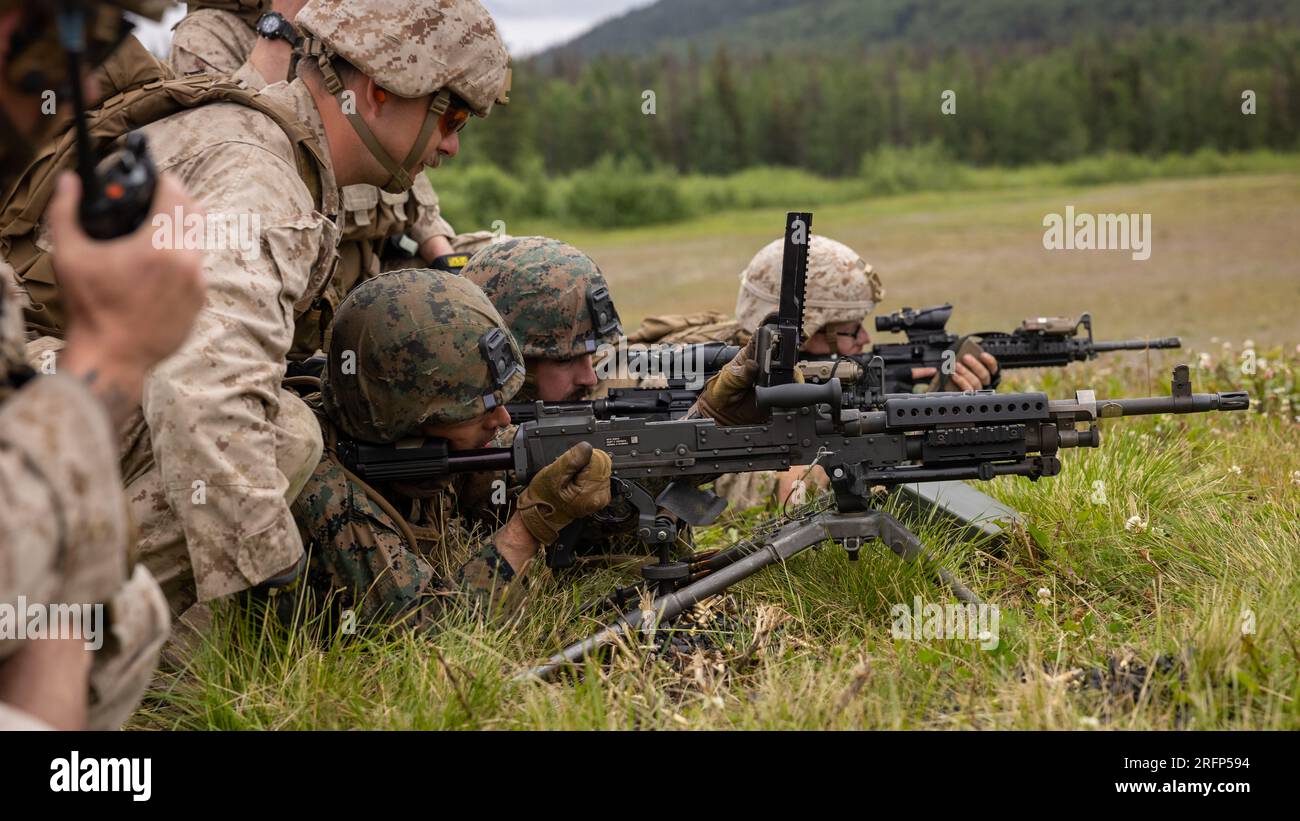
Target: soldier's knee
<point>298,443</point>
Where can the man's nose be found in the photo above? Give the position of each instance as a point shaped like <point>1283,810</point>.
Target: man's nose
<point>450,144</point>
<point>586,375</point>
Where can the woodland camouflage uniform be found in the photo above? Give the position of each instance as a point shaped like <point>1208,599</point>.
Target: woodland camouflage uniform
<point>553,297</point>
<point>378,549</point>
<point>555,301</point>
<point>219,40</point>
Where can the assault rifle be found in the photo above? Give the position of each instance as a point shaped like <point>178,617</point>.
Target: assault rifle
<point>904,439</point>
<point>1038,343</point>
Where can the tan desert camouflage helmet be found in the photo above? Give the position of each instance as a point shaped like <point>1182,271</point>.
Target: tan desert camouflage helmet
<point>417,347</point>
<point>439,47</point>
<point>842,287</point>
<point>553,296</point>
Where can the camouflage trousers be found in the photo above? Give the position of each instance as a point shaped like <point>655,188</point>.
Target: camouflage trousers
<point>160,545</point>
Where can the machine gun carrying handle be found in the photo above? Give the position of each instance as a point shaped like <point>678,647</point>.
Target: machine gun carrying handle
<point>802,395</point>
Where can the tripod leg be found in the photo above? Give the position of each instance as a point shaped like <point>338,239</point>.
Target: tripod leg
<point>909,548</point>
<point>788,542</point>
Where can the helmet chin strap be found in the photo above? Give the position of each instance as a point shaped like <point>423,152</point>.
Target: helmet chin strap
<point>399,178</point>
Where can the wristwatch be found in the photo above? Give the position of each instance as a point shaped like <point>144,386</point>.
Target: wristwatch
<point>273,26</point>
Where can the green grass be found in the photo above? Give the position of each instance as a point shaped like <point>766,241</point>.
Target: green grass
<point>808,645</point>
<point>1216,501</point>
<point>619,194</point>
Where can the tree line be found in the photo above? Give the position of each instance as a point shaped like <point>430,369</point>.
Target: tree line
<point>1152,93</point>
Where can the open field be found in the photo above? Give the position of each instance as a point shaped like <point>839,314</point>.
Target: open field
<point>1163,597</point>
<point>1225,257</point>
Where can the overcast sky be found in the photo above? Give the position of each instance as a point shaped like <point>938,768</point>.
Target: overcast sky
<point>528,26</point>
<point>533,25</point>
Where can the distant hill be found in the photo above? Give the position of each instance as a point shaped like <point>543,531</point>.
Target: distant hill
<point>748,26</point>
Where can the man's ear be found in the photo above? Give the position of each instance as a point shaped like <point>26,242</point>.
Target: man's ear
<point>375,97</point>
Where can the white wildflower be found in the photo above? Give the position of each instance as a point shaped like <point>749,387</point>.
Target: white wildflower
<point>1295,477</point>
<point>1136,524</point>
<point>1090,722</point>
<point>1205,362</point>
<point>1044,595</point>
<point>1235,470</point>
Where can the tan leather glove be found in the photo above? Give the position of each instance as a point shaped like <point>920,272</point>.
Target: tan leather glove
<point>729,396</point>
<point>571,487</point>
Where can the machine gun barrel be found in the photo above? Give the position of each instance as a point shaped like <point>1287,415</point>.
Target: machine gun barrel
<point>1191,403</point>
<point>1138,344</point>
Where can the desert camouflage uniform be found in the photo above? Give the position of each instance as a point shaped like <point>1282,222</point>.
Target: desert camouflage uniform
<point>65,529</point>
<point>212,41</point>
<point>215,41</point>
<point>415,335</point>
<point>841,287</point>
<point>224,448</point>
<point>230,447</point>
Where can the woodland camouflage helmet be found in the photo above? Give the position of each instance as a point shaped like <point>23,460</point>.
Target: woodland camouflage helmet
<point>842,287</point>
<point>552,296</point>
<point>416,347</point>
<point>449,48</point>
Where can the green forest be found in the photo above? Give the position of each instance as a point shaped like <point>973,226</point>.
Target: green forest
<point>700,123</point>
<point>758,26</point>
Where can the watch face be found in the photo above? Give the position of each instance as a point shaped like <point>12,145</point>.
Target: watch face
<point>268,25</point>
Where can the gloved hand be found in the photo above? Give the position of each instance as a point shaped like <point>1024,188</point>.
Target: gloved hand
<point>573,486</point>
<point>729,396</point>
<point>973,370</point>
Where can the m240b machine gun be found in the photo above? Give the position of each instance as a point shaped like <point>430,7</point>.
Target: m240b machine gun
<point>902,439</point>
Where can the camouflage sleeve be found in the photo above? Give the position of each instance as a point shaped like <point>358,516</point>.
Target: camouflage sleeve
<point>361,559</point>
<point>215,409</point>
<point>65,529</point>
<point>210,41</point>
<point>427,221</point>
<point>488,584</point>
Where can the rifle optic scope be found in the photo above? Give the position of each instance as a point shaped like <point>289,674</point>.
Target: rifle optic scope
<point>926,319</point>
